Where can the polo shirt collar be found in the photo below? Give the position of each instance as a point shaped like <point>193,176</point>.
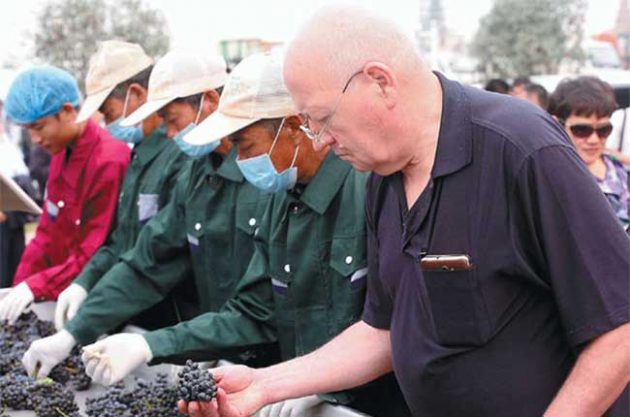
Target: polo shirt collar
<point>328,180</point>
<point>229,169</point>
<point>152,145</point>
<point>454,149</point>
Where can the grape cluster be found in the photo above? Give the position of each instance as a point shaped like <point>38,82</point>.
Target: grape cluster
<point>196,384</point>
<point>145,399</point>
<point>51,399</point>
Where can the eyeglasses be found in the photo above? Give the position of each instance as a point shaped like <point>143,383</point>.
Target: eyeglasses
<point>316,136</point>
<point>584,131</point>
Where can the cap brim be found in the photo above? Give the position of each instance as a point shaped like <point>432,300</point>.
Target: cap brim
<point>93,103</point>
<point>216,127</point>
<point>144,111</point>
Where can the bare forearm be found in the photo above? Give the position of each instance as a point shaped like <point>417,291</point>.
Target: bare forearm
<point>358,355</point>
<point>600,375</point>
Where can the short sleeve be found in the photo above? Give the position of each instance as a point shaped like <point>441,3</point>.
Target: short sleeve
<point>378,308</point>
<point>566,234</point>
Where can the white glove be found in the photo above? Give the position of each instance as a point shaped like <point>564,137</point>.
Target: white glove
<point>290,408</point>
<point>113,358</point>
<point>44,354</point>
<point>68,304</point>
<point>15,302</point>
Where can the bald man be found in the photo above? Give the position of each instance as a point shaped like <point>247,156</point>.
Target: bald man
<point>496,286</point>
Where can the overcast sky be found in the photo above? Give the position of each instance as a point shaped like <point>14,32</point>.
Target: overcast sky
<point>200,23</point>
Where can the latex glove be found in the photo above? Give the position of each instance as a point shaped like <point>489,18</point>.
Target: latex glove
<point>15,302</point>
<point>113,358</point>
<point>44,354</point>
<point>68,304</point>
<point>290,408</point>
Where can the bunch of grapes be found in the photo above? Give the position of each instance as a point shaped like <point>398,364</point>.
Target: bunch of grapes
<point>145,399</point>
<point>196,384</point>
<point>51,399</point>
<point>16,391</point>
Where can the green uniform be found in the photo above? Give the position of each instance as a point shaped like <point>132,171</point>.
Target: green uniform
<point>205,232</point>
<point>308,275</point>
<point>156,162</point>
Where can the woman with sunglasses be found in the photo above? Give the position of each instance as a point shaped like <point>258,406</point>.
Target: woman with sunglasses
<point>584,106</point>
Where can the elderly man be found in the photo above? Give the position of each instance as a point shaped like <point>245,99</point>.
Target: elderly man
<point>496,286</point>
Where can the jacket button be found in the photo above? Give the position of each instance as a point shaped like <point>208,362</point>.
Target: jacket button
<point>287,268</point>
<point>60,204</point>
<point>77,222</point>
<point>197,226</point>
<point>252,221</point>
<point>348,260</point>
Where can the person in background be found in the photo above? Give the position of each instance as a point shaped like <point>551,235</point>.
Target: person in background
<point>204,234</point>
<point>583,107</point>
<point>537,94</point>
<point>156,163</point>
<point>86,172</point>
<point>497,85</point>
<point>518,87</point>
<point>12,223</point>
<point>618,144</point>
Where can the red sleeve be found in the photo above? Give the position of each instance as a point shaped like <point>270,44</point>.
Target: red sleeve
<point>33,258</point>
<point>97,218</point>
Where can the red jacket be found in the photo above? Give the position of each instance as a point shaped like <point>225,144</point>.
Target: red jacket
<point>79,208</point>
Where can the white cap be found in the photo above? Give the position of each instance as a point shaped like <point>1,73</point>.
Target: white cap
<point>179,74</point>
<point>254,90</point>
<point>113,63</point>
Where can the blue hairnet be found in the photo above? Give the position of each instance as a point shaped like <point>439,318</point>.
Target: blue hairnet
<point>40,92</point>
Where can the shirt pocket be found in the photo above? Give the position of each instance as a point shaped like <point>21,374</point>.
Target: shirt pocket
<point>457,307</point>
<point>348,278</point>
<point>148,206</point>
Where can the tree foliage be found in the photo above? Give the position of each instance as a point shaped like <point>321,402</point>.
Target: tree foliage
<point>69,30</point>
<point>529,37</point>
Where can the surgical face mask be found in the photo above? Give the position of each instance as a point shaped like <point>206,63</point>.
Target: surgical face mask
<point>261,172</point>
<point>131,134</point>
<point>194,151</point>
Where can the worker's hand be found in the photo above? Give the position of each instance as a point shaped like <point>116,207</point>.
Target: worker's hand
<point>68,304</point>
<point>3,217</point>
<point>44,354</point>
<point>113,358</point>
<point>15,302</point>
<point>239,395</point>
<point>290,408</point>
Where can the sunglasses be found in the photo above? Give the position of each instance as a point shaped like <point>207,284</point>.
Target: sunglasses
<point>583,131</point>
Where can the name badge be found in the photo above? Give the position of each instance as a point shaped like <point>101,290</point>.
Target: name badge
<point>147,206</point>
<point>279,287</point>
<point>193,241</point>
<point>358,278</point>
<point>52,210</point>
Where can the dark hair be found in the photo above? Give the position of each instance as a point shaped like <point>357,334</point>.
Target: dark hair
<point>541,93</point>
<point>522,80</point>
<point>497,85</point>
<point>195,99</point>
<point>582,96</point>
<point>272,125</point>
<point>141,78</point>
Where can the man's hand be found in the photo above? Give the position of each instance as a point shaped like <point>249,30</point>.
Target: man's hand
<point>113,358</point>
<point>44,354</point>
<point>3,217</point>
<point>15,302</point>
<point>290,408</point>
<point>68,304</point>
<point>239,395</point>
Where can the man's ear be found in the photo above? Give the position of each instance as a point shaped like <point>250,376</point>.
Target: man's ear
<point>139,92</point>
<point>67,113</point>
<point>210,101</point>
<point>292,127</point>
<point>385,79</point>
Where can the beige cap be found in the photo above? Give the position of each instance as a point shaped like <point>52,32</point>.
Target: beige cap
<point>113,63</point>
<point>179,74</point>
<point>254,90</point>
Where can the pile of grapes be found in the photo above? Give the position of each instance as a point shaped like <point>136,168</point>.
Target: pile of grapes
<point>48,397</point>
<point>145,399</point>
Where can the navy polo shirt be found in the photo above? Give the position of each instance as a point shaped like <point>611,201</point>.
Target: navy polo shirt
<point>550,262</point>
